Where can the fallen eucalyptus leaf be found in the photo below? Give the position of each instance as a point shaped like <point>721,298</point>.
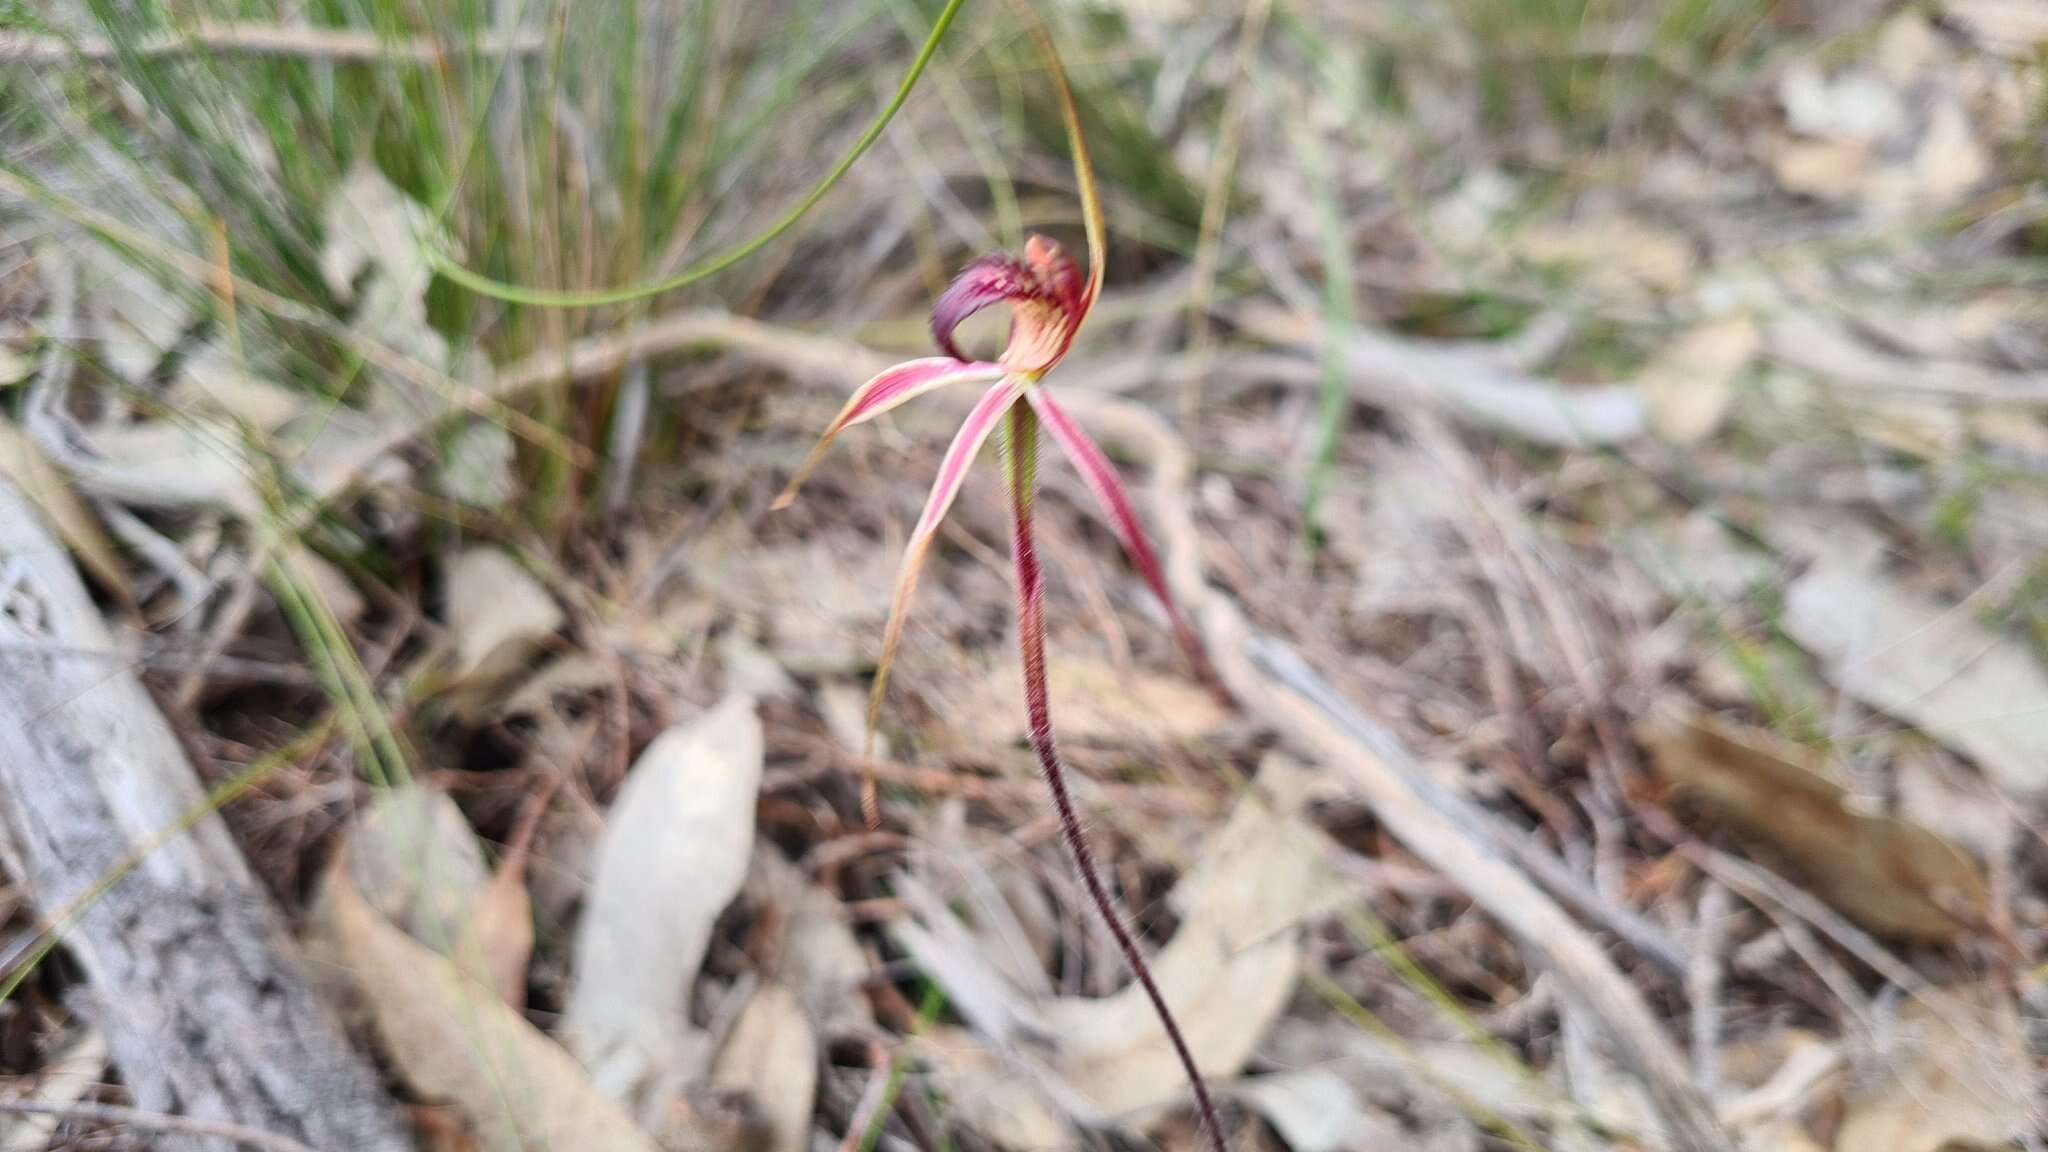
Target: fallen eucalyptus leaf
<point>1957,1075</point>
<point>1617,255</point>
<point>988,1097</point>
<point>1895,878</point>
<point>1093,702</point>
<point>2013,28</point>
<point>1931,665</point>
<point>1315,1110</point>
<point>24,463</point>
<point>674,853</point>
<point>497,940</point>
<point>1228,971</point>
<point>772,1056</point>
<point>1690,383</point>
<point>476,465</point>
<point>451,1038</point>
<point>816,953</point>
<point>213,381</point>
<point>415,859</point>
<point>499,616</point>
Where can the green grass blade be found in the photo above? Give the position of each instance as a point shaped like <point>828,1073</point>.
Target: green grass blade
<point>543,298</point>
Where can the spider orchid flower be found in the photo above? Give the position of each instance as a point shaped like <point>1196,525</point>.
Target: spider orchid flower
<point>1049,299</point>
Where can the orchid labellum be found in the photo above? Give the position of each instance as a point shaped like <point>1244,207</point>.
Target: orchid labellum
<point>1048,298</point>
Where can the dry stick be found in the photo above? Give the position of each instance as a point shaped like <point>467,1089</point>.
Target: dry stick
<point>115,1115</point>
<point>1703,982</point>
<point>272,40</point>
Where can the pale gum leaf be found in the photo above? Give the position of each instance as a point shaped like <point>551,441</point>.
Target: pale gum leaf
<point>772,1056</point>
<point>499,616</point>
<point>815,952</point>
<point>1315,1110</point>
<point>1952,1074</point>
<point>674,853</point>
<point>497,940</point>
<point>451,1039</point>
<point>415,859</point>
<point>24,463</point>
<point>1931,665</point>
<point>1689,384</point>
<point>1228,972</point>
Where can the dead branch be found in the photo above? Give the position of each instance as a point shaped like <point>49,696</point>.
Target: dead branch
<point>103,822</point>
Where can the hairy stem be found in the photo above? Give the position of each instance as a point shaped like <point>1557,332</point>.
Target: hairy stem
<point>1020,444</point>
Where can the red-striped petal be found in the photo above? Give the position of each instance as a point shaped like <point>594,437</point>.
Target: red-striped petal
<point>974,432</point>
<point>1101,478</point>
<point>904,382</point>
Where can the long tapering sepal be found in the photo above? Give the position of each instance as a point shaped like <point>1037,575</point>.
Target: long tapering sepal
<point>889,389</point>
<point>981,422</point>
<point>1108,488</point>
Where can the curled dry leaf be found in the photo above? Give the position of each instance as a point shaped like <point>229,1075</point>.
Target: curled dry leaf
<point>24,463</point>
<point>414,858</point>
<point>1618,256</point>
<point>1228,972</point>
<point>674,853</point>
<point>815,952</point>
<point>1895,878</point>
<point>988,1096</point>
<point>1975,690</point>
<point>1095,701</point>
<point>499,615</point>
<point>1315,1110</point>
<point>1689,383</point>
<point>451,1039</point>
<point>772,1056</point>
<point>497,940</point>
<point>1952,1072</point>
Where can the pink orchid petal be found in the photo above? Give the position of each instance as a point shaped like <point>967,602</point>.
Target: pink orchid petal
<point>897,385</point>
<point>1102,480</point>
<point>974,432</point>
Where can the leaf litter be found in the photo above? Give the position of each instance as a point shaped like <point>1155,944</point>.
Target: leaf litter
<point>1791,272</point>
